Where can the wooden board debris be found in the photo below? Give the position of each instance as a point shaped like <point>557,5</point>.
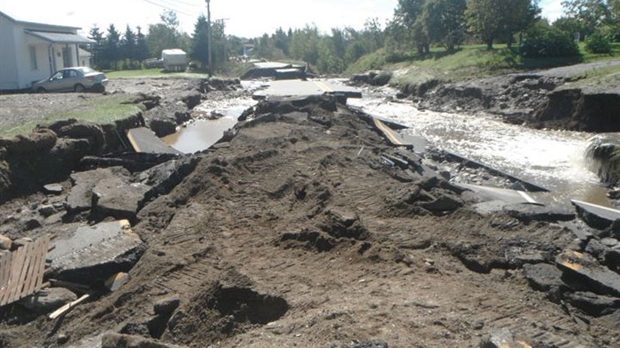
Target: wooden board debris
<point>21,272</point>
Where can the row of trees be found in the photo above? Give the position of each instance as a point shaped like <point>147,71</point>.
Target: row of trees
<point>417,25</point>
<point>114,50</point>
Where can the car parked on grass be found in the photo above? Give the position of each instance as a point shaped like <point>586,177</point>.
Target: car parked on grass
<point>76,79</point>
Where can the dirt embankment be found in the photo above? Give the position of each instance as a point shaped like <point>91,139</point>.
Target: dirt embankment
<point>544,99</point>
<point>307,229</point>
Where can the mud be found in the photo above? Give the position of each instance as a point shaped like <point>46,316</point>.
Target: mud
<point>298,232</point>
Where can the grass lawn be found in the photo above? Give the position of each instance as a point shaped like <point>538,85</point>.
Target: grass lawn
<point>102,110</point>
<point>152,73</point>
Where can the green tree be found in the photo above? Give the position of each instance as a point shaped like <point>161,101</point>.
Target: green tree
<point>445,21</point>
<point>165,35</point>
<point>96,35</point>
<point>111,48</point>
<point>200,42</point>
<point>571,25</point>
<point>495,19</point>
<point>128,47</point>
<point>591,13</point>
<point>305,44</point>
<point>142,49</point>
<point>281,41</point>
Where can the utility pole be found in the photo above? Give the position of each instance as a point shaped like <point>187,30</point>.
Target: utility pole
<point>210,38</point>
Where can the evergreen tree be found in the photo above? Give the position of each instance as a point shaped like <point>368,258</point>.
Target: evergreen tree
<point>200,42</point>
<point>128,47</point>
<point>111,48</point>
<point>142,50</point>
<point>96,49</point>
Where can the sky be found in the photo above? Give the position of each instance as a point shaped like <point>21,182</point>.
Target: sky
<point>244,18</point>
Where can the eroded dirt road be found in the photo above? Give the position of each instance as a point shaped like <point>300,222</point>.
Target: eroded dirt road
<point>300,231</point>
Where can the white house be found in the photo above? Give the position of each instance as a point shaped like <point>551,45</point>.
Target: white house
<point>30,52</point>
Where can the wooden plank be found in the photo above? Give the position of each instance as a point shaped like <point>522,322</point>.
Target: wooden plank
<point>41,265</point>
<point>5,272</point>
<point>23,271</point>
<point>30,282</point>
<point>23,274</point>
<point>16,266</point>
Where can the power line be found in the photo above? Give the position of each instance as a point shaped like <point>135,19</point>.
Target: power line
<point>185,3</point>
<point>168,8</point>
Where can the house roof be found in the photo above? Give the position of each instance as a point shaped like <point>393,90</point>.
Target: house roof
<point>60,37</point>
<point>50,27</point>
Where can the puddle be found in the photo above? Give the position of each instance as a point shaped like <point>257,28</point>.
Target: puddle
<point>201,134</point>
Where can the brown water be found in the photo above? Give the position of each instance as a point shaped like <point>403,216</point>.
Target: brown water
<point>553,159</point>
<point>201,134</point>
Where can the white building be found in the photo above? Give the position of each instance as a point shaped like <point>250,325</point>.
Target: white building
<point>30,52</point>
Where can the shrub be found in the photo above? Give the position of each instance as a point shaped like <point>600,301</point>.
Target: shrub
<point>598,43</point>
<point>549,42</point>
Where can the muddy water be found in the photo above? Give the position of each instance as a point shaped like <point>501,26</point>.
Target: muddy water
<point>204,132</point>
<point>553,159</point>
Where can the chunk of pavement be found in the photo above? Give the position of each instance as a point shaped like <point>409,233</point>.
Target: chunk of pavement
<point>610,242</point>
<point>20,242</point>
<point>593,304</point>
<point>163,178</point>
<point>596,216</point>
<point>489,207</point>
<point>52,189</point>
<point>47,300</point>
<point>115,340</point>
<point>5,243</point>
<point>533,212</point>
<point>371,344</point>
<point>597,278</point>
<point>118,197</point>
<point>166,305</point>
<point>80,196</point>
<point>95,253</point>
<point>502,339</point>
<point>543,277</point>
<point>442,204</point>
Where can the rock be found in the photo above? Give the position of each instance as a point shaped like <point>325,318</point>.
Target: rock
<point>597,278</point>
<point>80,196</point>
<point>502,339</point>
<point>62,338</point>
<point>118,198</point>
<point>532,212</point>
<point>91,132</point>
<point>47,300</point>
<point>93,254</point>
<point>192,99</point>
<point>166,176</point>
<point>5,243</point>
<point>166,305</point>
<point>163,120</point>
<point>47,210</point>
<point>543,277</point>
<point>115,340</point>
<point>593,304</point>
<point>610,242</point>
<point>371,344</point>
<point>53,189</point>
<point>20,242</point>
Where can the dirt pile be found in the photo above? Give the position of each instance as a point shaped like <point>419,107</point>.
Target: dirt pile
<point>305,228</point>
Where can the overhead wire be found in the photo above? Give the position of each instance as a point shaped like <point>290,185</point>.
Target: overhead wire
<point>152,2</point>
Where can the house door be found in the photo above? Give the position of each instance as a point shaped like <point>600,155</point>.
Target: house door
<point>66,57</point>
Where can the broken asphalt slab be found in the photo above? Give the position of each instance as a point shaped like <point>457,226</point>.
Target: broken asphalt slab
<point>94,253</point>
<point>598,278</point>
<point>144,140</point>
<point>596,216</point>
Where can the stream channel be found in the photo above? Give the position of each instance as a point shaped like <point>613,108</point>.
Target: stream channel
<point>552,159</point>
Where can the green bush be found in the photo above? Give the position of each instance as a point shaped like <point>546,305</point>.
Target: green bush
<point>549,42</point>
<point>598,43</point>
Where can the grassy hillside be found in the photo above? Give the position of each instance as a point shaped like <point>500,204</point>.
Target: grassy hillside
<point>465,63</point>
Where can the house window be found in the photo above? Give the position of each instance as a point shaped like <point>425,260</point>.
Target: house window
<point>33,58</point>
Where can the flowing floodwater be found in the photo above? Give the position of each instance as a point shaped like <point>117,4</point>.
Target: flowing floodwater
<point>553,159</point>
